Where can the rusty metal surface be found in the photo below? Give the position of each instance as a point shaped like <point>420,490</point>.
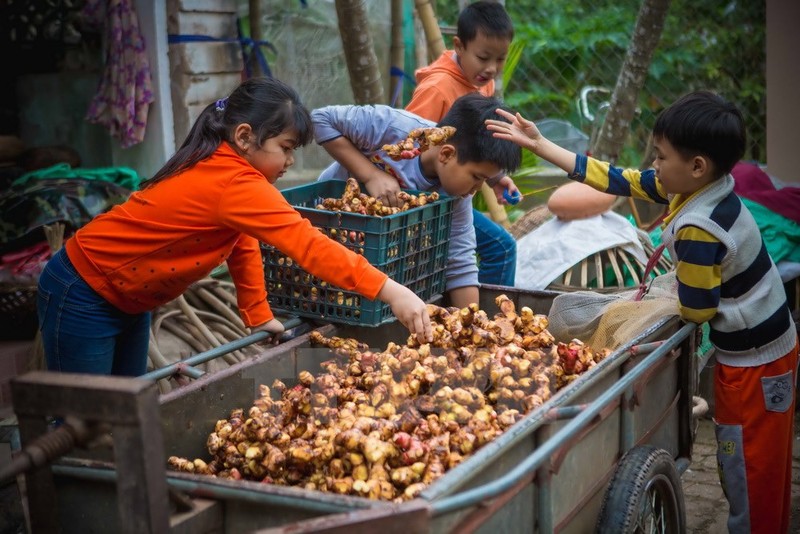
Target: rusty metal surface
<point>407,518</point>
<point>564,496</point>
<point>130,408</point>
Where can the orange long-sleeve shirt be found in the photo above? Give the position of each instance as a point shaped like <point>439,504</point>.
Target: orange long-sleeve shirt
<point>148,250</point>
<point>439,85</point>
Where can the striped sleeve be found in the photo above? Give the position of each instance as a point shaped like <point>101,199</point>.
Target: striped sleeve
<point>602,176</point>
<point>699,273</point>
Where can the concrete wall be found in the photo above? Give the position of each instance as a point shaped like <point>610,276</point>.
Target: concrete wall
<point>783,98</point>
<point>159,140</point>
<point>201,72</point>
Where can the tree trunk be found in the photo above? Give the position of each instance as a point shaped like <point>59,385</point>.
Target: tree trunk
<point>646,35</point>
<point>359,52</point>
<point>397,52</point>
<point>254,7</point>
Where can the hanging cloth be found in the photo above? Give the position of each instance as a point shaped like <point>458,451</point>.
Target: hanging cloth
<point>125,92</point>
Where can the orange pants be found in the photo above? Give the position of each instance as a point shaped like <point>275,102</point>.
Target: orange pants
<point>754,416</point>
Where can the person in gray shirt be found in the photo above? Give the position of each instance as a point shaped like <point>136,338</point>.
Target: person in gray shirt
<point>355,136</point>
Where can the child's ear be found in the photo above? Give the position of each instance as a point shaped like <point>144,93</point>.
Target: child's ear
<point>243,136</point>
<point>700,166</point>
<point>458,46</point>
<point>447,152</point>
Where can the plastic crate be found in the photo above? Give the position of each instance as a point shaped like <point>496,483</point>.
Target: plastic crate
<point>411,247</point>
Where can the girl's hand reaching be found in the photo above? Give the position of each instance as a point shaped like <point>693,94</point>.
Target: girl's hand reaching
<point>409,309</point>
<point>518,130</point>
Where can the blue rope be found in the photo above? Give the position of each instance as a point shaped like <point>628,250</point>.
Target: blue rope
<point>245,42</point>
<point>400,73</point>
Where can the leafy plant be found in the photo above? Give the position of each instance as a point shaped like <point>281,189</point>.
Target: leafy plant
<point>564,46</point>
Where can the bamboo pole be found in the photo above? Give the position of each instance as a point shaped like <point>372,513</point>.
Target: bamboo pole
<point>496,212</point>
<point>431,26</point>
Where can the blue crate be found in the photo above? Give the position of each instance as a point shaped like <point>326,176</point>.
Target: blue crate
<point>410,247</point>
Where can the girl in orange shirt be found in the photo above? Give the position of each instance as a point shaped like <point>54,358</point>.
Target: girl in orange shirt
<point>212,202</point>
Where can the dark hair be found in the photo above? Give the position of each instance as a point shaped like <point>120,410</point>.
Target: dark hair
<point>268,105</point>
<point>704,123</point>
<point>473,141</point>
<point>489,18</point>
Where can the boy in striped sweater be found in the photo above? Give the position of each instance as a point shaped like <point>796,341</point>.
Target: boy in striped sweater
<point>725,277</point>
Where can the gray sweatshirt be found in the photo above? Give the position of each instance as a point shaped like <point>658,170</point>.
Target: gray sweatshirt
<point>371,127</point>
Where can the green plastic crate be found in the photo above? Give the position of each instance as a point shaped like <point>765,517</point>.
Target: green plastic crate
<point>411,247</point>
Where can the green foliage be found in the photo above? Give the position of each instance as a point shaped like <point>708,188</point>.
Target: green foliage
<point>564,46</point>
<point>512,60</point>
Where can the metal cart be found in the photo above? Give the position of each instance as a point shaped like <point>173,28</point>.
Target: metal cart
<point>605,452</point>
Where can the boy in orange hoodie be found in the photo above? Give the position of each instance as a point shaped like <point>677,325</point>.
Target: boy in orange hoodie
<point>480,47</point>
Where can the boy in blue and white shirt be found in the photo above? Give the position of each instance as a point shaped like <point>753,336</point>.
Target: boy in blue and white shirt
<point>726,278</point>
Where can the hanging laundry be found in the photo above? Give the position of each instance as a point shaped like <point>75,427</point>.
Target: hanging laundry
<point>125,92</point>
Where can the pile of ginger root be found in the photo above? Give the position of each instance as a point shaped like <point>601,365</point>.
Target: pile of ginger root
<point>385,425</point>
<point>418,141</point>
<point>354,201</point>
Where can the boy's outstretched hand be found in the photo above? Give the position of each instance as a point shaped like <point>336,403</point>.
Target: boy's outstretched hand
<point>518,130</point>
<point>524,133</point>
<point>507,191</point>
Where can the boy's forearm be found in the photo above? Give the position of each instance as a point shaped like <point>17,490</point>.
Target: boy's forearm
<point>558,156</point>
<point>462,297</point>
<point>349,157</point>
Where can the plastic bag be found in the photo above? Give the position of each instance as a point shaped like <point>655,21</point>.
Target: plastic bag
<point>608,320</point>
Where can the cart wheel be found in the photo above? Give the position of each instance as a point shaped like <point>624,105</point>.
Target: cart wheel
<point>645,495</point>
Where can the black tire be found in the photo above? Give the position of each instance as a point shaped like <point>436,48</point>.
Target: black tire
<point>645,495</point>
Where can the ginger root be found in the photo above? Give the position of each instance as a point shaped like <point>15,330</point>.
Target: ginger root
<point>385,425</point>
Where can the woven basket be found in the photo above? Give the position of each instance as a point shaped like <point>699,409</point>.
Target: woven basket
<point>591,270</point>
<point>530,221</point>
<point>18,319</point>
<point>16,300</point>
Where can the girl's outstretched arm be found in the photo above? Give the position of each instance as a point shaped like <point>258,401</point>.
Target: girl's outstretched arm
<point>524,133</point>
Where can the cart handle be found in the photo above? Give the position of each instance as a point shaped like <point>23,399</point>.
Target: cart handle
<point>183,366</point>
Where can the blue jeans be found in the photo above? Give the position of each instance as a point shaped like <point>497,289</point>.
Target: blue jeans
<point>82,332</point>
<point>497,251</point>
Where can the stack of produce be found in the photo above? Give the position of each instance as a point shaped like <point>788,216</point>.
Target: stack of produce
<point>418,141</point>
<point>354,201</point>
<point>384,425</point>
